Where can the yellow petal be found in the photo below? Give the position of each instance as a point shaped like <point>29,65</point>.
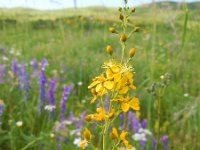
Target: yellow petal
<point>123,135</point>
<point>83,144</point>
<point>115,69</point>
<point>99,87</point>
<point>93,84</point>
<point>125,107</point>
<point>132,87</point>
<point>117,77</point>
<point>109,85</point>
<point>134,103</point>
<point>124,90</point>
<point>109,74</point>
<point>93,100</point>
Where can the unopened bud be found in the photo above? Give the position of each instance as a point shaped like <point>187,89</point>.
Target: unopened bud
<point>121,17</point>
<point>119,9</point>
<point>109,49</point>
<point>112,30</point>
<point>137,29</point>
<point>132,52</point>
<point>133,10</point>
<point>123,38</point>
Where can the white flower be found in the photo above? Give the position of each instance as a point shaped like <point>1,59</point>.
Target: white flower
<point>18,53</point>
<point>50,107</point>
<point>145,131</point>
<point>80,83</point>
<point>186,94</point>
<point>4,58</point>
<point>139,137</point>
<point>77,141</point>
<point>52,135</point>
<point>67,122</point>
<point>19,124</point>
<point>76,131</point>
<point>83,101</point>
<point>162,77</point>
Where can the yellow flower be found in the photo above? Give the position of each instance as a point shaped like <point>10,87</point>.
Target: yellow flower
<point>114,134</point>
<point>83,144</point>
<point>122,138</point>
<point>87,134</point>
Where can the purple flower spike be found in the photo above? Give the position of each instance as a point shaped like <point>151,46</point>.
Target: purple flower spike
<point>107,103</point>
<point>15,67</point>
<point>35,65</point>
<point>164,140</point>
<point>24,82</point>
<point>129,123</point>
<point>1,109</point>
<point>42,84</point>
<point>121,116</point>
<point>153,143</point>
<point>52,94</point>
<point>136,124</point>
<point>65,96</point>
<point>2,72</point>
<point>144,124</point>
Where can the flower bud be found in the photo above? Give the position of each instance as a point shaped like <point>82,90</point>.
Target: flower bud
<point>121,17</point>
<point>133,10</point>
<point>136,29</point>
<point>132,52</point>
<point>109,49</point>
<point>123,38</point>
<point>112,30</point>
<point>119,9</point>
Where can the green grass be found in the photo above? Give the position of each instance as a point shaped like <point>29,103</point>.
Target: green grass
<point>76,39</point>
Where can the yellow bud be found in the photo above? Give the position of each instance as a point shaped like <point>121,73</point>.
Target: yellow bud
<point>123,38</point>
<point>133,10</point>
<point>121,17</point>
<point>132,52</point>
<point>137,29</point>
<point>112,30</point>
<point>88,118</point>
<point>109,49</point>
<point>87,134</point>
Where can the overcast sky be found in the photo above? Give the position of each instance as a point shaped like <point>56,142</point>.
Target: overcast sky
<point>59,4</point>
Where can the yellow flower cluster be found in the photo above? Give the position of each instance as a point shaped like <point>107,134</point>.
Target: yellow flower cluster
<point>117,79</point>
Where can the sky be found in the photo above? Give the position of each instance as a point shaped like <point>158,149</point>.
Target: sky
<point>60,4</point>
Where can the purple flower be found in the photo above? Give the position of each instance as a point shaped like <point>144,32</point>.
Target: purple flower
<point>164,140</point>
<point>121,116</point>
<point>52,90</point>
<point>24,82</point>
<point>144,124</point>
<point>42,84</point>
<point>65,96</point>
<point>34,64</point>
<point>129,123</point>
<point>2,72</point>
<point>136,124</point>
<point>107,103</point>
<point>153,143</point>
<point>142,144</point>
<point>80,123</point>
<point>1,109</point>
<point>15,67</point>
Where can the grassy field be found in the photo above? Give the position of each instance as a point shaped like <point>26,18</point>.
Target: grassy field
<point>74,41</point>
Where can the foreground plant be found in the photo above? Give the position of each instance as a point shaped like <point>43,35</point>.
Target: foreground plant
<point>116,83</point>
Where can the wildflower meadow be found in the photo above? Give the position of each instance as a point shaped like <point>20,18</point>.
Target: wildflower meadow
<point>101,78</point>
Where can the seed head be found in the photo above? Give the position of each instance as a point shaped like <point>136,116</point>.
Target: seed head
<point>109,49</point>
<point>123,38</point>
<point>132,52</point>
